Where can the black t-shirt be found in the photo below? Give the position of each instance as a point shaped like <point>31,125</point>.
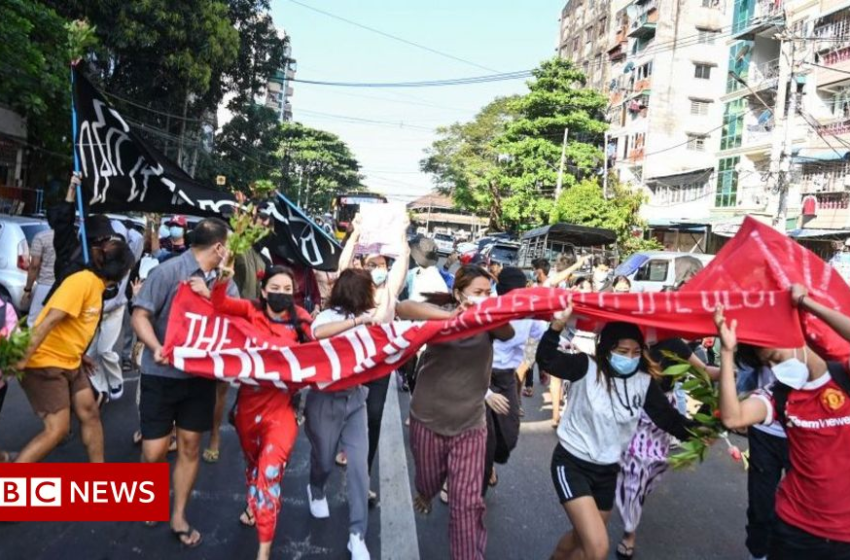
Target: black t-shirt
<point>676,346</point>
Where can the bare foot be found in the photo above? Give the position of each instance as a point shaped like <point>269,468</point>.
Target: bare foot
<point>422,504</point>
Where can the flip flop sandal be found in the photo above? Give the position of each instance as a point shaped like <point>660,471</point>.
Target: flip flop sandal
<point>247,518</point>
<point>341,459</point>
<point>8,457</point>
<point>211,455</point>
<point>528,392</point>
<point>444,494</point>
<point>494,479</point>
<point>625,552</point>
<point>137,437</point>
<point>179,535</point>
<point>172,445</point>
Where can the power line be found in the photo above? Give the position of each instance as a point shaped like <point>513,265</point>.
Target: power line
<point>399,124</point>
<point>393,37</point>
<point>427,83</point>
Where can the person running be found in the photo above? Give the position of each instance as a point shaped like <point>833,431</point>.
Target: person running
<point>40,276</point>
<point>169,396</point>
<point>572,340</point>
<point>338,419</point>
<point>607,395</point>
<point>812,400</point>
<point>55,366</point>
<point>645,460</point>
<point>448,426</point>
<point>8,323</point>
<point>263,415</point>
<point>503,395</point>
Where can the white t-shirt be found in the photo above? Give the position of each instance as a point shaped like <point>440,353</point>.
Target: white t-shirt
<point>425,281</point>
<point>509,354</point>
<point>765,392</point>
<point>330,316</point>
<point>595,426</point>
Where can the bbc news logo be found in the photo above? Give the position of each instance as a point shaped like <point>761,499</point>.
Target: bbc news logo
<point>84,492</point>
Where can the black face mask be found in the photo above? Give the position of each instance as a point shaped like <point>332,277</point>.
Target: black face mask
<point>111,292</point>
<point>279,302</point>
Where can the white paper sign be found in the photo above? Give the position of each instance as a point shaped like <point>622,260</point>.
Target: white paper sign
<point>382,229</point>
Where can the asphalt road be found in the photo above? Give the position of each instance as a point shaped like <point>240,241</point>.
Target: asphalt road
<point>693,515</point>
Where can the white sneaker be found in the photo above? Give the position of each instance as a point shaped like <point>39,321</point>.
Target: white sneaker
<point>116,393</point>
<point>357,547</point>
<point>318,508</point>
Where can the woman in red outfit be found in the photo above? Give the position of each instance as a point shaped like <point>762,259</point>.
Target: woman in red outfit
<point>264,417</point>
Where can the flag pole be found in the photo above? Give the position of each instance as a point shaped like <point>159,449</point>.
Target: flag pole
<point>80,208</point>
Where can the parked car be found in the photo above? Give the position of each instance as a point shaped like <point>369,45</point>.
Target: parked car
<point>16,234</point>
<point>652,271</point>
<point>445,243</point>
<point>504,252</point>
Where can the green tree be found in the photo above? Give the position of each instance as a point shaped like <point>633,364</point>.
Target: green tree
<point>246,148</point>
<point>465,163</point>
<point>583,204</point>
<point>556,101</point>
<point>162,62</point>
<point>316,166</point>
<point>34,82</point>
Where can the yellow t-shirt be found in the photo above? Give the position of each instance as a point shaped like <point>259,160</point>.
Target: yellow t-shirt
<point>81,297</point>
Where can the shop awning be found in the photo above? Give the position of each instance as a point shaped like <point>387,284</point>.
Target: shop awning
<point>806,233</point>
<point>811,155</point>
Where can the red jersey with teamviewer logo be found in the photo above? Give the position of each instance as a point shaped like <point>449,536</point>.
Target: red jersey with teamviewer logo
<point>813,496</point>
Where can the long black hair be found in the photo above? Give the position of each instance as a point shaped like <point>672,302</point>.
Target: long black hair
<point>610,336</point>
<point>291,312</point>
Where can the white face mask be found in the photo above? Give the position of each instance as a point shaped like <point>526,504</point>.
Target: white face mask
<point>792,372</point>
<point>475,300</point>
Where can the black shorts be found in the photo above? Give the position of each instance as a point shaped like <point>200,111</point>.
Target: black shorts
<point>574,478</point>
<point>164,402</point>
<point>788,542</point>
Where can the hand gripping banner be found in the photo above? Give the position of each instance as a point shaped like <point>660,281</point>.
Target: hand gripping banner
<point>207,343</point>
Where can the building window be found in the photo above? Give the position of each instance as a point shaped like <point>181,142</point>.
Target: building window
<point>597,65</point>
<point>706,37</point>
<point>575,45</point>
<point>644,71</point>
<point>710,3</point>
<point>696,142</point>
<point>702,71</point>
<point>588,35</point>
<point>700,107</point>
<point>603,27</point>
<point>733,125</point>
<point>727,183</point>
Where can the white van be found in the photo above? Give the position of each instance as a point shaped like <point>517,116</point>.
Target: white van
<point>652,271</point>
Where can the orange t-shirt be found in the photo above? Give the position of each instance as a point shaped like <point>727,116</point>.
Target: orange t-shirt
<point>81,297</point>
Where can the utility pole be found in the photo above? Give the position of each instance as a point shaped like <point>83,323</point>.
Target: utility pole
<point>561,167</point>
<point>605,167</point>
<point>784,111</point>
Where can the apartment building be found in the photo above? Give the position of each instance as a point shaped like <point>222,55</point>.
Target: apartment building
<point>279,88</point>
<point>786,125</point>
<point>662,69</point>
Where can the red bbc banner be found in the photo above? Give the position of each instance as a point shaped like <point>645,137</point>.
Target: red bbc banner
<point>84,492</point>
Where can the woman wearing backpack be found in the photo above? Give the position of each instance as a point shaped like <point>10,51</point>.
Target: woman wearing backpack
<point>812,400</point>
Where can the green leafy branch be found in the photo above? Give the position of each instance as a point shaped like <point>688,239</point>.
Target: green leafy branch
<point>247,231</point>
<point>699,386</point>
<point>81,38</point>
<point>13,349</point>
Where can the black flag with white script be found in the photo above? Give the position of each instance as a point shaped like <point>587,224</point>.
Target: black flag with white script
<point>122,172</point>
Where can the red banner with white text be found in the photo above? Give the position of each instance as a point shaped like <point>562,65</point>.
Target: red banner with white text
<point>210,344</point>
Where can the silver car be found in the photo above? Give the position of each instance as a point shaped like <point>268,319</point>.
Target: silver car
<point>16,233</point>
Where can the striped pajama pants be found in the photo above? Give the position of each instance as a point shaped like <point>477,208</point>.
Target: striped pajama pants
<point>460,459</point>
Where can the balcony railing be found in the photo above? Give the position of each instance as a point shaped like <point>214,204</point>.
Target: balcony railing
<point>835,56</point>
<point>827,179</point>
<point>832,34</point>
<point>835,128</point>
<point>758,74</point>
<point>636,154</point>
<point>764,13</point>
<point>758,133</point>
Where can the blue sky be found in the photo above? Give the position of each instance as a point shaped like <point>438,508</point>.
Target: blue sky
<point>505,35</point>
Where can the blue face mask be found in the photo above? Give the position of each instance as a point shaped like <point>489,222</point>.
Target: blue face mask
<point>379,276</point>
<point>624,365</point>
<point>164,231</point>
<point>175,232</point>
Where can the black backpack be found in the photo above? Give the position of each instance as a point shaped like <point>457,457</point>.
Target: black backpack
<point>780,391</point>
